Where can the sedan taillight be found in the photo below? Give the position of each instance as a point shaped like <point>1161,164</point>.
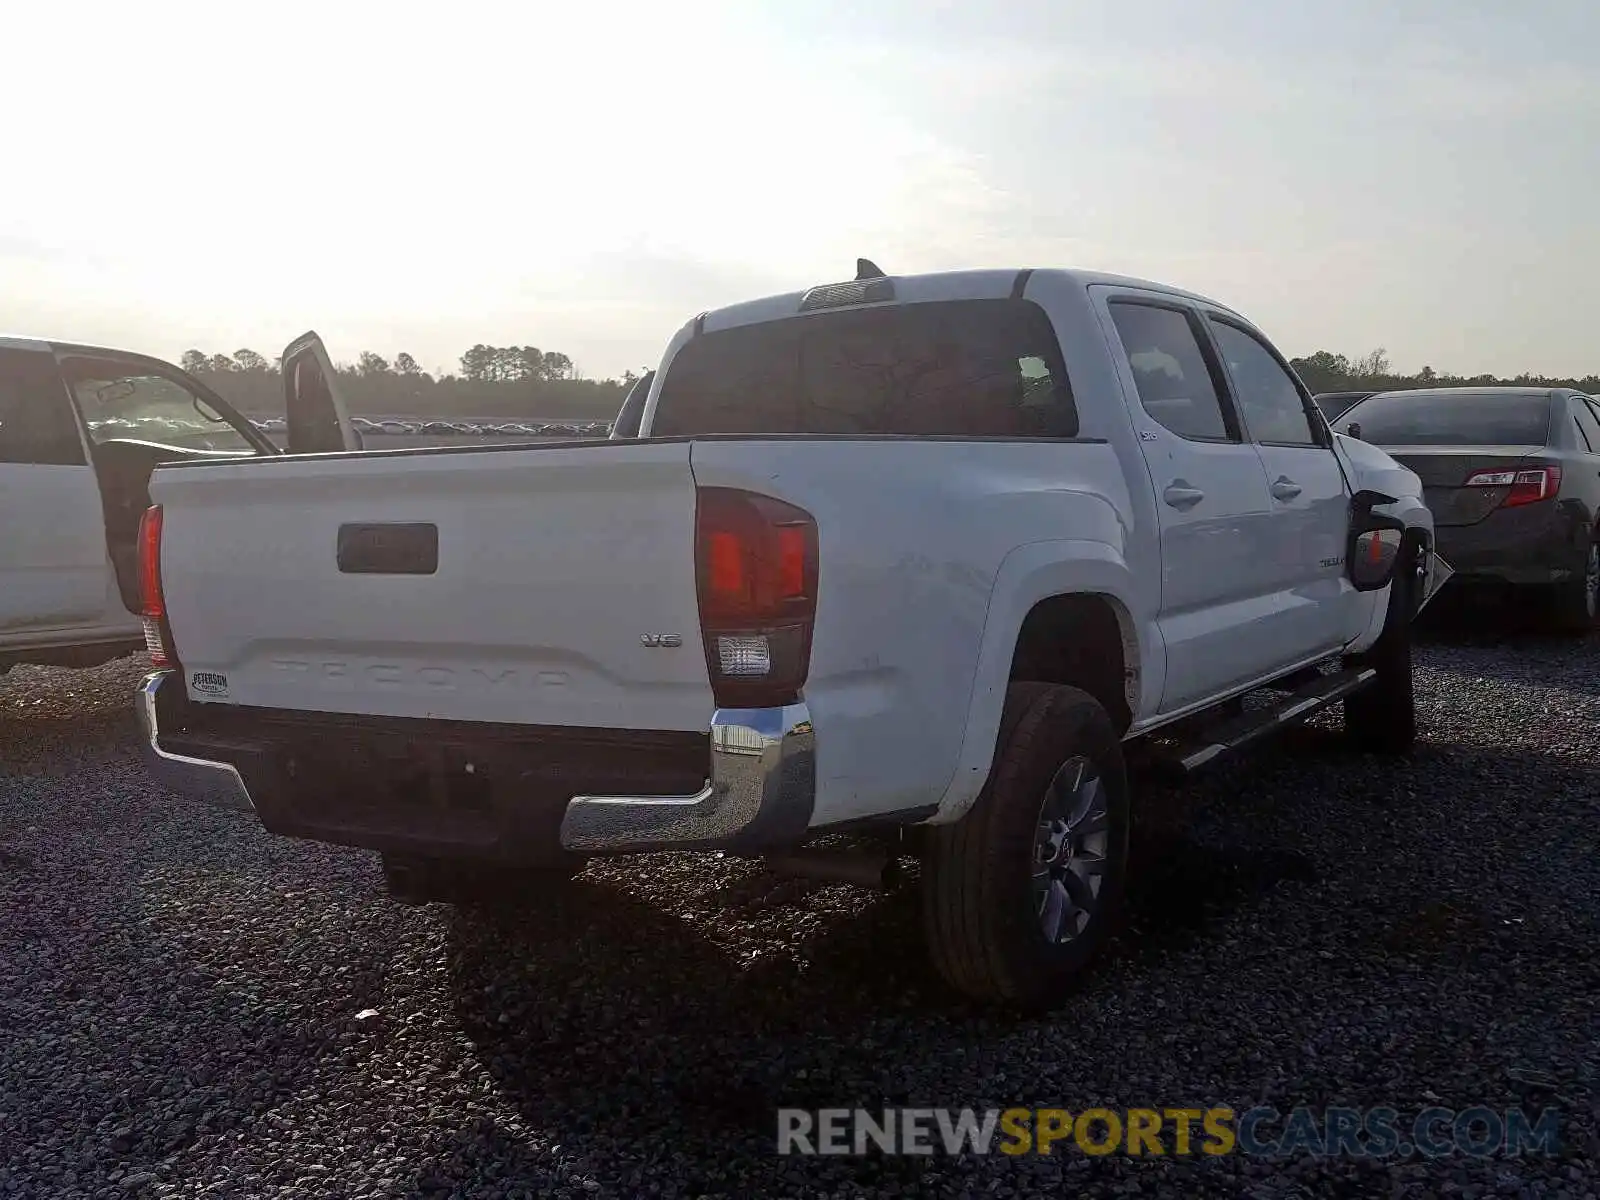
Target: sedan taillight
<point>1526,486</point>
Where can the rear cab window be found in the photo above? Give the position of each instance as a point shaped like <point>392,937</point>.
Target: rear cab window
<point>945,368</point>
<point>1453,419</point>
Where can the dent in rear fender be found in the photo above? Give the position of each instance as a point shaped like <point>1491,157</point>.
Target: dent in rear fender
<point>1029,574</point>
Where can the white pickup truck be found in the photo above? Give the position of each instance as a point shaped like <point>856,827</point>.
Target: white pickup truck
<point>909,558</point>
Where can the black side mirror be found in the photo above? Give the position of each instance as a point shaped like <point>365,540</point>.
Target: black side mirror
<point>1354,429</point>
<point>1375,541</point>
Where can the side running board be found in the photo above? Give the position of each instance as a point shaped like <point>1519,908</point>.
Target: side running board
<point>1229,736</point>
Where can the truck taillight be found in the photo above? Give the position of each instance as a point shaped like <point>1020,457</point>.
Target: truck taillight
<point>153,603</point>
<point>756,572</point>
<point>1527,486</point>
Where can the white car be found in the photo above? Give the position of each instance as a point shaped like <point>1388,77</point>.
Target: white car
<point>81,429</point>
<point>913,558</point>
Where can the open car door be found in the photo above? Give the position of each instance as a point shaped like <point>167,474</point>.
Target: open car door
<point>317,419</point>
<point>631,414</point>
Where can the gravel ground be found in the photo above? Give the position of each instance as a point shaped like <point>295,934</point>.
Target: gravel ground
<point>190,1007</point>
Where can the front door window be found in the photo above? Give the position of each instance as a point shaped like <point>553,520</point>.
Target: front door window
<point>149,407</point>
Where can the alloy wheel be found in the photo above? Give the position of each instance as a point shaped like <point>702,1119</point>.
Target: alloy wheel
<point>1070,845</point>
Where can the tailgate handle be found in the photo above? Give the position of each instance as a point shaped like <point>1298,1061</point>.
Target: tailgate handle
<point>389,548</point>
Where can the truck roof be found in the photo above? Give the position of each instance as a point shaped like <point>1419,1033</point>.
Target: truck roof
<point>942,285</point>
<point>12,341</point>
<point>52,345</point>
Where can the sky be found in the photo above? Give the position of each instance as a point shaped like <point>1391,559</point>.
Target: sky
<point>1417,175</point>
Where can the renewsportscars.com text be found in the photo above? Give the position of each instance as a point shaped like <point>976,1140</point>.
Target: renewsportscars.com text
<point>1261,1132</point>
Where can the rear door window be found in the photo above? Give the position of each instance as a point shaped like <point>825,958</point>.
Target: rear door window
<point>37,424</point>
<point>1175,384</point>
<point>1588,428</point>
<point>1453,419</point>
<point>1587,408</point>
<point>957,368</point>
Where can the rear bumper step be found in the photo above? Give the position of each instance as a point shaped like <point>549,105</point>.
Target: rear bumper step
<point>758,791</point>
<point>214,782</point>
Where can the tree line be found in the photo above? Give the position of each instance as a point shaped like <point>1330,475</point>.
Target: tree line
<point>525,382</point>
<point>1326,371</point>
<point>510,382</point>
<point>481,364</point>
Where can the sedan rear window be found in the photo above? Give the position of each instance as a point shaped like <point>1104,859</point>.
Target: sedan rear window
<point>1451,419</point>
<point>957,368</point>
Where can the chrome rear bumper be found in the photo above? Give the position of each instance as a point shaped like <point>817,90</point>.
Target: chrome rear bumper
<point>761,790</point>
<point>759,794</point>
<point>217,783</point>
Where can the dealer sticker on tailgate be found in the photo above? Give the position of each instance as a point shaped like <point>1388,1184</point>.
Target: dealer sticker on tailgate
<point>209,683</point>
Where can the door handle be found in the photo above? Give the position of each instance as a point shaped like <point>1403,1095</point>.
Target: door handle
<point>1284,488</point>
<point>1180,495</point>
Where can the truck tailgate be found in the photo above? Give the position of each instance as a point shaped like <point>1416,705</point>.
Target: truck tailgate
<point>556,565</point>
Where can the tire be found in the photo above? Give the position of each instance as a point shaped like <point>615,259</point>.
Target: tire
<point>414,879</point>
<point>1382,718</point>
<point>1574,604</point>
<point>984,908</point>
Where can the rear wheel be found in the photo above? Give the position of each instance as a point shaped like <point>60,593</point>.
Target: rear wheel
<point>1021,893</point>
<point>1577,600</point>
<point>419,879</point>
<point>1382,717</point>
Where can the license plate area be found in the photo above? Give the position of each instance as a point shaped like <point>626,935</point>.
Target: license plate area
<point>442,793</point>
<point>388,548</point>
<point>406,785</point>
